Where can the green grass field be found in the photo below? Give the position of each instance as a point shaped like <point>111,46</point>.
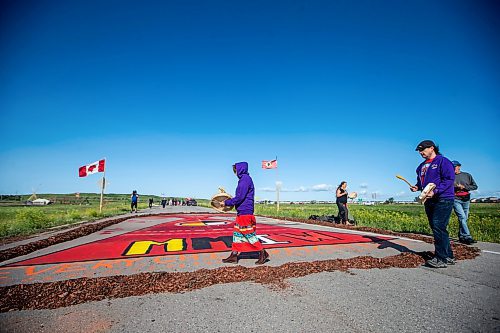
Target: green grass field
<point>484,219</point>
<point>25,220</point>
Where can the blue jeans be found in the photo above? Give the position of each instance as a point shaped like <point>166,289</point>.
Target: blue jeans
<point>438,213</point>
<point>462,210</point>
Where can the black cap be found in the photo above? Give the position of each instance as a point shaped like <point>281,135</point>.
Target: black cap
<point>425,144</point>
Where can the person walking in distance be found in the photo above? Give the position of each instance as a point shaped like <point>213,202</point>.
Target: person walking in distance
<point>244,231</point>
<point>134,198</point>
<point>438,205</point>
<point>464,183</point>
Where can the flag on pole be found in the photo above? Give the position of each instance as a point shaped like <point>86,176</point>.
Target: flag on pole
<point>89,169</point>
<point>270,164</point>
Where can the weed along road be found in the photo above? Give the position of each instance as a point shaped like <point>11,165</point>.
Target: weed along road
<point>161,269</point>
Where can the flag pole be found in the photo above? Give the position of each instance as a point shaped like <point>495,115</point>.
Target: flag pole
<point>277,188</point>
<point>102,186</point>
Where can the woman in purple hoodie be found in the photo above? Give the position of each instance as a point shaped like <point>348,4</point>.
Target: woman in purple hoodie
<point>439,170</point>
<point>244,235</point>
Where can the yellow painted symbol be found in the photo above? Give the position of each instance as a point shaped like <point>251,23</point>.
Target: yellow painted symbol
<point>144,247</point>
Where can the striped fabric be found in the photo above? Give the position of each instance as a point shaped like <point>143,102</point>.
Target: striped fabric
<point>244,234</point>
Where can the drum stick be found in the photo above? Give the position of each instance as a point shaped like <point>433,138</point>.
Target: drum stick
<point>403,179</point>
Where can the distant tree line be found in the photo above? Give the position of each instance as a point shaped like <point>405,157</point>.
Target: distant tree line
<point>9,197</point>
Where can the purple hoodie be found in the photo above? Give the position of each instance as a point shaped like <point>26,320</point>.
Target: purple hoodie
<point>243,199</point>
<point>440,172</point>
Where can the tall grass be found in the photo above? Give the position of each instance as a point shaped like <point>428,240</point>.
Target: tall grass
<point>27,220</point>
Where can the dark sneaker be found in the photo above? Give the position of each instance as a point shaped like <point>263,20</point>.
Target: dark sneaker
<point>436,263</point>
<point>467,241</point>
<point>451,261</point>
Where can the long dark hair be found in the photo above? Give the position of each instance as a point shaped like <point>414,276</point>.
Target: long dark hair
<point>341,183</point>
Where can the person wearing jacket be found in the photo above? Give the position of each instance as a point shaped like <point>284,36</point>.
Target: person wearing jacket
<point>438,205</point>
<point>134,198</point>
<point>464,183</point>
<point>244,231</point>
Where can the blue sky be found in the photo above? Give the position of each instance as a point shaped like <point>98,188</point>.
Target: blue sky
<point>172,93</point>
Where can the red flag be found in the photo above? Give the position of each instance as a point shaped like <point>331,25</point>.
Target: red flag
<point>89,169</point>
<point>270,164</point>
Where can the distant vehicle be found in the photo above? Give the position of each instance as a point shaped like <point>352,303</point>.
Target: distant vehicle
<point>191,202</point>
<point>39,202</point>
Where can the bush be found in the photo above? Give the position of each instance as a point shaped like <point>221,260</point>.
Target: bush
<point>93,213</point>
<point>74,215</point>
<point>29,219</point>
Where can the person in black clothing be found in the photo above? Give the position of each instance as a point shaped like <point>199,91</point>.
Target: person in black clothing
<point>134,198</point>
<point>163,202</point>
<point>150,202</point>
<point>341,201</point>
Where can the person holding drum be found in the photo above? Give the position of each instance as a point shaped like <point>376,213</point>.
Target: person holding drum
<point>341,202</point>
<point>438,203</point>
<point>244,231</point>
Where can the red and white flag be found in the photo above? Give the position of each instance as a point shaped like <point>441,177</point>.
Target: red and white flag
<point>89,169</point>
<point>270,164</point>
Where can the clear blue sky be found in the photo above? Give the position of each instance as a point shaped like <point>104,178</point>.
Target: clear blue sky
<point>172,93</point>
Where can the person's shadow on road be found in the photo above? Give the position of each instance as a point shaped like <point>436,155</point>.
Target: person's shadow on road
<point>384,244</point>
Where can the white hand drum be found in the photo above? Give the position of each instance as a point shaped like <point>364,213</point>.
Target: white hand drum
<point>429,187</point>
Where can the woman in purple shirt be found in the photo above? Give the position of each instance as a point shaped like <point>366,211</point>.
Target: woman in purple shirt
<point>438,205</point>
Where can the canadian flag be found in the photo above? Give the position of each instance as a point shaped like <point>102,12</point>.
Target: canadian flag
<point>89,169</point>
<point>270,164</point>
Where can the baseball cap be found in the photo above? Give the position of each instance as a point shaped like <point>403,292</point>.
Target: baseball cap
<point>456,163</point>
<point>425,144</point>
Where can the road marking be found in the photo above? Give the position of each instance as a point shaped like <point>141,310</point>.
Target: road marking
<point>490,252</point>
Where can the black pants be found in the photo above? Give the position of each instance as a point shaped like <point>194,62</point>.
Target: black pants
<point>343,214</point>
<point>132,205</point>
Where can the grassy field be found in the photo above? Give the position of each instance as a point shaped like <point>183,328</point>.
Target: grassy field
<point>25,220</point>
<point>484,219</point>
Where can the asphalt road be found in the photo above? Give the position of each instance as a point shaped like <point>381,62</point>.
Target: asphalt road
<point>461,298</point>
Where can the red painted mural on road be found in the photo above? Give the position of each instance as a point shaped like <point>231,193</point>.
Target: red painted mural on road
<point>192,234</point>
